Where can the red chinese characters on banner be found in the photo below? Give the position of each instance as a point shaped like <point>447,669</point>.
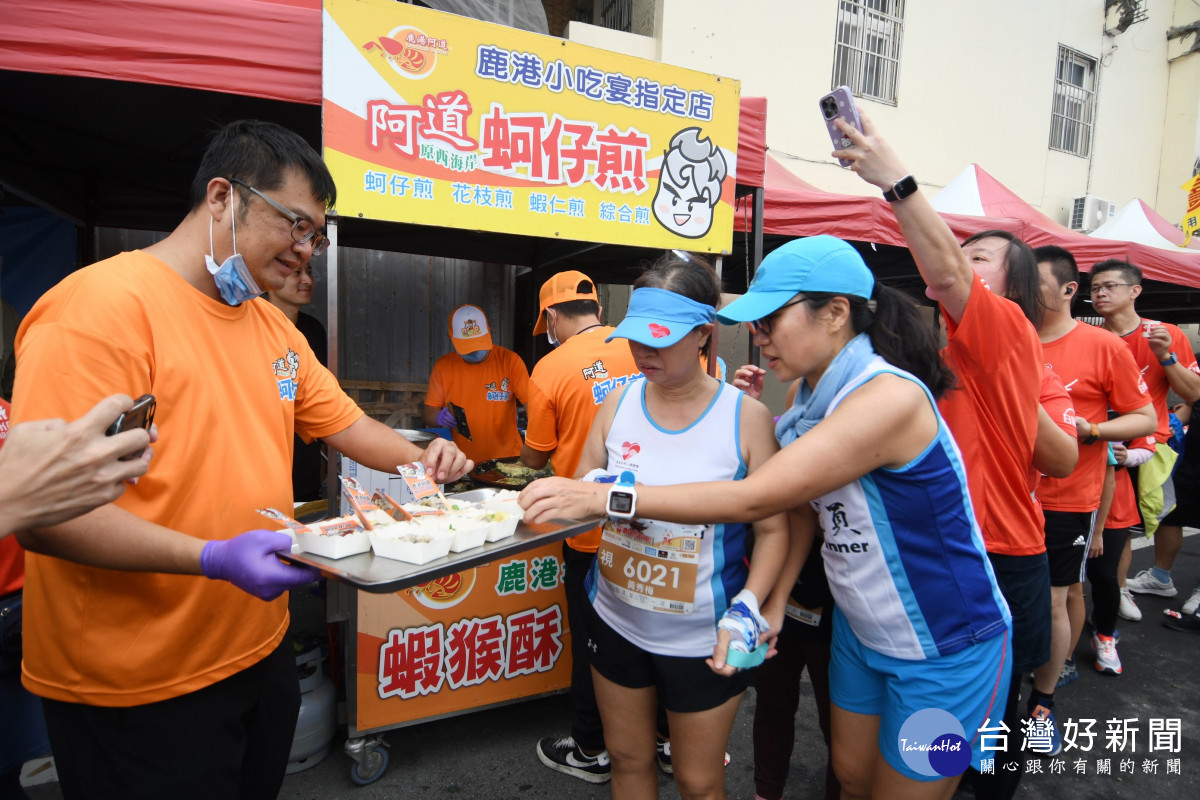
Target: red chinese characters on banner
<point>410,662</point>
<point>416,661</point>
<point>475,651</point>
<point>557,150</point>
<point>442,117</point>
<point>534,641</point>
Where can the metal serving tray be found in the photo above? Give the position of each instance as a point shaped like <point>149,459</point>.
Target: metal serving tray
<point>383,575</point>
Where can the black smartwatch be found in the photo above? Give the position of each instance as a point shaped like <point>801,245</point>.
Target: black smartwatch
<point>622,497</point>
<point>901,189</point>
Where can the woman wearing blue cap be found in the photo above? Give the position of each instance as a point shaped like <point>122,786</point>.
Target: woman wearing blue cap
<point>921,631</point>
<point>660,591</point>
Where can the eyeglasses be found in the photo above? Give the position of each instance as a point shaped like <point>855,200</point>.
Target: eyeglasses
<point>763,325</point>
<point>1108,287</point>
<point>302,229</point>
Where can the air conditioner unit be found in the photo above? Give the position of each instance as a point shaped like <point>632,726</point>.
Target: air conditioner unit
<point>1090,212</point>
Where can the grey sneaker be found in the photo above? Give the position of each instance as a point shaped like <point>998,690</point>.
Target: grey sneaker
<point>1128,609</point>
<point>1145,583</point>
<point>1193,603</point>
<point>565,756</point>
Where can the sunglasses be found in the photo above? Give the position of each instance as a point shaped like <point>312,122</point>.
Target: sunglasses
<point>302,229</point>
<point>763,325</point>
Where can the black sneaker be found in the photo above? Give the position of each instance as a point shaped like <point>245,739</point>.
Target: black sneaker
<point>566,757</point>
<point>663,756</point>
<point>1181,622</point>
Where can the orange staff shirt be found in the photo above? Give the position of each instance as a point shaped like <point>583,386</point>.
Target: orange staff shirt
<point>566,389</point>
<point>488,393</point>
<point>232,384</point>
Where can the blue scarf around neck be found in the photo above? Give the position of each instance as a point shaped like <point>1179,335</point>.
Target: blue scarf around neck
<point>812,405</point>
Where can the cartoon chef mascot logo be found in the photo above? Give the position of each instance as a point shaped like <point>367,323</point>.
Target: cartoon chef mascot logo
<point>689,184</point>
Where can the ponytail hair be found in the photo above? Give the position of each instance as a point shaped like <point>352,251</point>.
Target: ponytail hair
<point>897,333</point>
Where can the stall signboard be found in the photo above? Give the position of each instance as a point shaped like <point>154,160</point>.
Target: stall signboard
<point>436,119</point>
<point>463,642</point>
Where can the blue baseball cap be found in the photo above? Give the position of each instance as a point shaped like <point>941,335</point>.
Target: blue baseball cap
<point>660,318</point>
<point>814,264</point>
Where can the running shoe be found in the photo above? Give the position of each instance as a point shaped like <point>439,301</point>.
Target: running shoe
<point>1145,583</point>
<point>1069,673</point>
<point>1193,603</point>
<point>565,756</point>
<point>1181,622</point>
<point>663,756</point>
<point>1043,734</point>
<point>1107,659</point>
<point>1128,609</point>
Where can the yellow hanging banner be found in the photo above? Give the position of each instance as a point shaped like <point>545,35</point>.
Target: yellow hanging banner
<point>436,119</point>
<point>1191,217</point>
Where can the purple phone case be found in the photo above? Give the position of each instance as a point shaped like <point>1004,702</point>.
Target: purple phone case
<point>847,111</point>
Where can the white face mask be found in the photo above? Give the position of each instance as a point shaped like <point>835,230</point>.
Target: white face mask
<point>552,338</point>
<point>233,278</point>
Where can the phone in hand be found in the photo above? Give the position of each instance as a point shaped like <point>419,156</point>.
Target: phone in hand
<point>140,415</point>
<point>840,104</point>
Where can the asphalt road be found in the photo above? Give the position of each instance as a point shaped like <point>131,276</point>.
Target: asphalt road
<point>490,754</point>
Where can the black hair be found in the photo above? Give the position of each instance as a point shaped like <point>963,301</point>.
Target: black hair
<point>260,153</point>
<point>573,309</point>
<point>1023,282</point>
<point>1062,263</point>
<point>684,274</point>
<point>897,333</point>
<point>1130,272</point>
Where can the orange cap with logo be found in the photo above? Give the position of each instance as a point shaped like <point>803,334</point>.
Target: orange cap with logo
<point>469,330</point>
<point>563,288</point>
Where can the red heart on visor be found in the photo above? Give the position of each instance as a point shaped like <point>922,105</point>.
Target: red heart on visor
<point>658,331</point>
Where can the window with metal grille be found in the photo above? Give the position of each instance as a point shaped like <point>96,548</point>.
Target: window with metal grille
<point>1074,103</point>
<point>866,55</point>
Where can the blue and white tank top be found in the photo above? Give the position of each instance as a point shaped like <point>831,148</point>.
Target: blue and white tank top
<point>663,586</point>
<point>904,554</point>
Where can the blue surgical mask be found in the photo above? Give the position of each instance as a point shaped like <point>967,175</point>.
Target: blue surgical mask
<point>233,278</point>
<point>475,358</point>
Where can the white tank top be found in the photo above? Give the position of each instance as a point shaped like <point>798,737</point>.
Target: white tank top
<point>663,586</point>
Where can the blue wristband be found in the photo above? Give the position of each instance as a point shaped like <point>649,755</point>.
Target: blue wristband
<point>743,660</point>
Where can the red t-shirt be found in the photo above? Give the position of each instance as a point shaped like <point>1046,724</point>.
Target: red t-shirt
<point>992,412</point>
<point>1057,402</point>
<point>1123,513</point>
<point>12,556</point>
<point>1154,374</point>
<point>1099,374</point>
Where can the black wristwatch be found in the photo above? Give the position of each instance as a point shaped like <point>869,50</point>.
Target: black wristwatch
<point>901,189</point>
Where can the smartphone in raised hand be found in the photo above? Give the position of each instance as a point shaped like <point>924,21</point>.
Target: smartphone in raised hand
<point>840,104</point>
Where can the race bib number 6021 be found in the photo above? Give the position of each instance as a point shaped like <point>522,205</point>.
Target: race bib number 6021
<point>651,565</point>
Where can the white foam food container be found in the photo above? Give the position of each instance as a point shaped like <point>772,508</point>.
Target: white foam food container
<point>334,538</point>
<point>465,530</point>
<point>501,522</point>
<point>412,542</point>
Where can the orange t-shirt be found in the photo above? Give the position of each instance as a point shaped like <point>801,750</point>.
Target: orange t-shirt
<point>566,389</point>
<point>1154,374</point>
<point>488,393</point>
<point>1123,513</point>
<point>12,557</point>
<point>1099,374</point>
<point>992,412</point>
<point>231,383</point>
<point>1057,402</point>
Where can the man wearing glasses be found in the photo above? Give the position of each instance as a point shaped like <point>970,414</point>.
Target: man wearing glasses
<point>1166,360</point>
<point>155,626</point>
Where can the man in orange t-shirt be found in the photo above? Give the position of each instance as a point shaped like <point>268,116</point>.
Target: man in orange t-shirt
<point>566,389</point>
<point>1100,375</point>
<point>1165,357</point>
<point>167,603</point>
<point>483,379</point>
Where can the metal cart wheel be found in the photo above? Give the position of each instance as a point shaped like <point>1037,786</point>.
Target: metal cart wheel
<point>370,759</point>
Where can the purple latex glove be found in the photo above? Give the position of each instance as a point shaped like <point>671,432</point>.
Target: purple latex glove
<point>248,562</point>
<point>445,418</point>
